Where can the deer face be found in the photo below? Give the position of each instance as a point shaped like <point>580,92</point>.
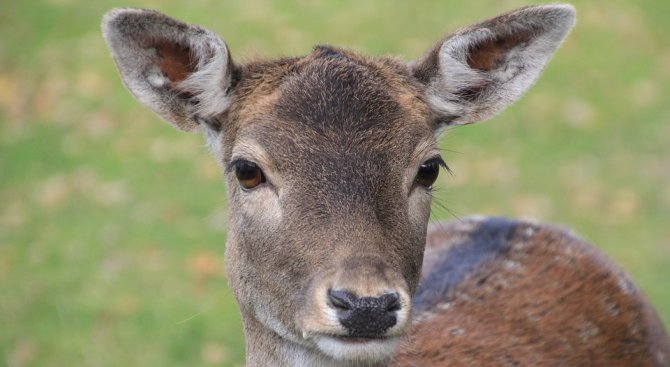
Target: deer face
<point>332,225</point>
<point>329,160</point>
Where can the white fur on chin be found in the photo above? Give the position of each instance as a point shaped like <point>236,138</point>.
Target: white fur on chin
<point>372,351</point>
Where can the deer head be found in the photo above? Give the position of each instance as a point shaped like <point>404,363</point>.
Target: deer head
<point>329,160</point>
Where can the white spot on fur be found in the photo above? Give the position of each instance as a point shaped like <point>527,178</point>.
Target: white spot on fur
<point>529,232</point>
<point>611,309</point>
<point>423,317</point>
<point>444,306</point>
<point>625,285</point>
<point>511,265</point>
<point>568,251</point>
<point>456,331</point>
<point>588,331</point>
<point>519,246</point>
<point>157,79</point>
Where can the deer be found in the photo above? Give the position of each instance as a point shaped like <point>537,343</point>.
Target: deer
<point>330,160</point>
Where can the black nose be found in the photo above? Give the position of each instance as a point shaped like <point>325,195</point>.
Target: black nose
<point>365,317</point>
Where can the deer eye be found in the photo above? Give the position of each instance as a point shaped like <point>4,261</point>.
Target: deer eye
<point>428,172</point>
<point>248,174</point>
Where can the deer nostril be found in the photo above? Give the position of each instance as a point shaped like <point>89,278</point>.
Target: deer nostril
<point>391,301</point>
<point>342,300</point>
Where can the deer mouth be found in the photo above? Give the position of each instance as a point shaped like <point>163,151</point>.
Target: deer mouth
<point>349,348</point>
<point>361,339</point>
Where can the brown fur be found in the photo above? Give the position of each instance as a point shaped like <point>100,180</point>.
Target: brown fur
<point>550,299</point>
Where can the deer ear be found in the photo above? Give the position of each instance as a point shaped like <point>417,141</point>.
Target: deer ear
<point>478,71</point>
<point>181,72</point>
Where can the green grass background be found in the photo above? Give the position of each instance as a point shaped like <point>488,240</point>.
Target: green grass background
<point>112,224</point>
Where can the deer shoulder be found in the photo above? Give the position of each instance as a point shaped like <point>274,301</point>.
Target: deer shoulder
<point>500,292</point>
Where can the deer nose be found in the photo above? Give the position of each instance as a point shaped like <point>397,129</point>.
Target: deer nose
<point>365,317</point>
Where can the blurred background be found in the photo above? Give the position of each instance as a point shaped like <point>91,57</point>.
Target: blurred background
<point>112,224</point>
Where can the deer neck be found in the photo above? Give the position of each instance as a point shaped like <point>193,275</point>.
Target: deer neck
<point>266,348</point>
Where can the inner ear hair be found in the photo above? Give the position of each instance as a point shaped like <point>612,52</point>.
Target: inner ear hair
<point>175,60</point>
<point>489,54</point>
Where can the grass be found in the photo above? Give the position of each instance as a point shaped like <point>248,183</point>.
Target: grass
<point>112,224</point>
